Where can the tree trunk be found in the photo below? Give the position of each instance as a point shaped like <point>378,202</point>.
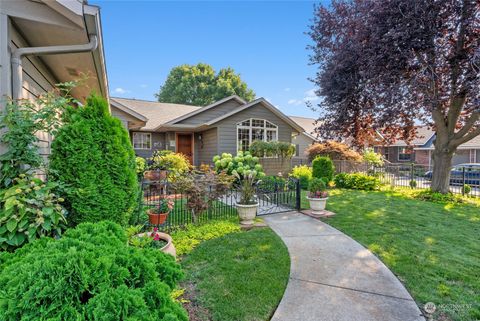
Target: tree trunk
<point>442,163</point>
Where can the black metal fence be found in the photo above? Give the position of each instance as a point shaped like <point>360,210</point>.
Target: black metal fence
<point>464,179</point>
<point>274,195</point>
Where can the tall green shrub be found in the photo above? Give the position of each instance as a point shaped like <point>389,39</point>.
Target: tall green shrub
<point>322,167</point>
<point>89,274</point>
<point>93,157</point>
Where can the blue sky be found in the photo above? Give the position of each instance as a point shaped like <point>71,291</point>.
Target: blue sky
<point>263,41</point>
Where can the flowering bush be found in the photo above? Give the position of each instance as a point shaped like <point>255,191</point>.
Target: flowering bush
<point>317,188</point>
<point>29,210</point>
<point>241,164</point>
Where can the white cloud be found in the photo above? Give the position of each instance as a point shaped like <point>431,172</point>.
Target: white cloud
<point>309,97</point>
<point>121,91</point>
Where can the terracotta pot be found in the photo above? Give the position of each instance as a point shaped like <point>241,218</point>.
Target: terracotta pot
<point>247,213</point>
<point>156,175</point>
<point>317,204</point>
<point>169,248</point>
<point>156,218</point>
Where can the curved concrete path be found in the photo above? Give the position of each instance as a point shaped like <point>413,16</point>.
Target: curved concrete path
<point>334,278</point>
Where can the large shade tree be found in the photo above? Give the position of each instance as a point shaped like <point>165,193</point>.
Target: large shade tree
<point>199,85</point>
<point>392,64</point>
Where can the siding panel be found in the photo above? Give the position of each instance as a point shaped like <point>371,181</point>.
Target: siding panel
<point>207,148</point>
<point>212,113</point>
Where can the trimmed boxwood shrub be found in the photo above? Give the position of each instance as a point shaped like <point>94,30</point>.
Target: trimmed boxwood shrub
<point>357,181</point>
<point>93,157</point>
<point>322,167</point>
<point>89,274</point>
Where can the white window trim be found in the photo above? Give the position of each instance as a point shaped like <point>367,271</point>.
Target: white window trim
<point>403,160</point>
<point>142,133</point>
<point>265,128</point>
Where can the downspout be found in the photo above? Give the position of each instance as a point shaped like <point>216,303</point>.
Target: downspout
<point>18,54</point>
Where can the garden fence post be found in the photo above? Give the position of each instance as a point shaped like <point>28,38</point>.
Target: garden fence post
<point>299,194</point>
<point>463,181</point>
<point>411,173</point>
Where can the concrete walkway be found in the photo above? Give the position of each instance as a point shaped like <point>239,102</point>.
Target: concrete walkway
<point>334,278</point>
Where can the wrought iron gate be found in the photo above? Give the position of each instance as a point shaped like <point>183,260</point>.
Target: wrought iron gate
<point>278,195</point>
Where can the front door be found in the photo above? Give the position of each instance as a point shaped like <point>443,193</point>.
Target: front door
<point>185,145</point>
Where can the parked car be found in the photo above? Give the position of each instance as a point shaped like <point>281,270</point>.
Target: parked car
<point>472,174</point>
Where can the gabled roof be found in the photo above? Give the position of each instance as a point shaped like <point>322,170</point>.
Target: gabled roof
<point>154,112</point>
<point>202,109</point>
<point>308,124</point>
<point>266,104</point>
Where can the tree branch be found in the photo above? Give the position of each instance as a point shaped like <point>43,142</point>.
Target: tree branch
<point>474,133</point>
<point>468,124</point>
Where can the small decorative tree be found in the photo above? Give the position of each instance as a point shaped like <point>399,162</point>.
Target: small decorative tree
<point>334,150</point>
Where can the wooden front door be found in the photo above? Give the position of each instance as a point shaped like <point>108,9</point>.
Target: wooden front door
<point>185,145</point>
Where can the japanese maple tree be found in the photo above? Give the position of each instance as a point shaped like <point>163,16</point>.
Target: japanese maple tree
<point>390,65</point>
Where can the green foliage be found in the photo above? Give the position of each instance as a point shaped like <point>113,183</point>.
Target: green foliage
<point>272,149</point>
<point>22,121</point>
<point>93,156</point>
<point>140,165</point>
<point>466,189</point>
<point>372,158</point>
<point>303,173</point>
<point>429,195</point>
<point>246,188</point>
<point>243,163</point>
<point>199,85</point>
<point>357,181</point>
<point>176,163</point>
<point>322,167</point>
<point>89,274</point>
<point>187,239</point>
<point>317,185</point>
<point>29,209</point>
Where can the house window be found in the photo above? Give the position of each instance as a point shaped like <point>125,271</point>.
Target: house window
<point>404,154</point>
<point>253,129</point>
<point>142,140</point>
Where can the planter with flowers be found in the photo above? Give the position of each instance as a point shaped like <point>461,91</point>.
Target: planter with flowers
<point>158,215</point>
<point>154,239</point>
<point>318,195</point>
<point>247,203</point>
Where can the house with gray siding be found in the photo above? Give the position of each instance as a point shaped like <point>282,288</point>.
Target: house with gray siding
<point>46,42</point>
<point>200,133</point>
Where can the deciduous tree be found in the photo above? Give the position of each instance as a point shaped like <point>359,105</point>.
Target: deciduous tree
<point>387,65</point>
<point>199,85</point>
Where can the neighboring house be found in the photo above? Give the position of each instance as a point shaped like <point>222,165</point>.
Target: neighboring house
<point>420,150</point>
<point>200,133</point>
<point>69,34</point>
<point>305,138</point>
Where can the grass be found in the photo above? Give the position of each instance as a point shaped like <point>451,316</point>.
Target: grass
<point>433,248</point>
<point>239,276</point>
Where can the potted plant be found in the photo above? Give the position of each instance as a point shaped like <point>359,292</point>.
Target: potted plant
<point>154,239</point>
<point>158,215</point>
<point>318,195</point>
<point>247,204</point>
<point>157,166</point>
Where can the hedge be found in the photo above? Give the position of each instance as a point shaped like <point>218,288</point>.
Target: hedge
<point>357,181</point>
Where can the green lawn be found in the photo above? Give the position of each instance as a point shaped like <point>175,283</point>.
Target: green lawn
<point>433,248</point>
<point>239,276</point>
